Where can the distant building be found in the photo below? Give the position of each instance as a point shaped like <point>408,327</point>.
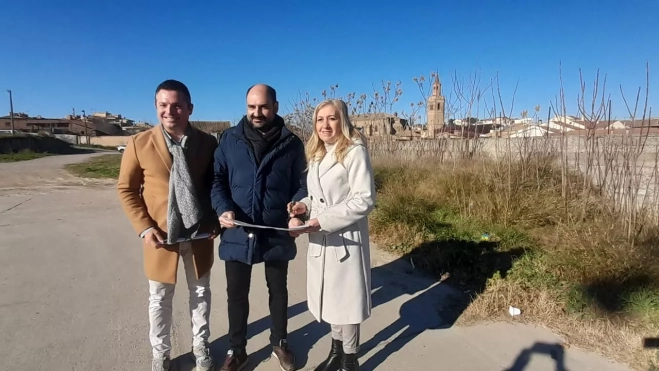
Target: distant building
<point>108,118</point>
<point>96,124</point>
<point>571,125</point>
<point>435,110</point>
<point>379,124</point>
<point>68,125</point>
<point>211,127</point>
<point>137,128</point>
<point>385,124</point>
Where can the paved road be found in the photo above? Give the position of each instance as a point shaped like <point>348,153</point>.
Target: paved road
<point>73,297</point>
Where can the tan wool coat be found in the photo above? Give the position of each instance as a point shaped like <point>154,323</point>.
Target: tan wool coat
<point>143,188</point>
<point>338,259</point>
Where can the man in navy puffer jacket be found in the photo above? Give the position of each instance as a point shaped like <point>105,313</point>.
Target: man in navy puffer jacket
<point>259,169</point>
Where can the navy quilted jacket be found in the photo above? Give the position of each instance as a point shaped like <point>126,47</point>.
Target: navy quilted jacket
<point>257,195</point>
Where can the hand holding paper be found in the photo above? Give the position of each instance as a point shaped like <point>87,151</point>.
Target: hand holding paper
<point>311,227</point>
<point>163,242</point>
<point>154,238</point>
<point>227,219</point>
<point>295,223</point>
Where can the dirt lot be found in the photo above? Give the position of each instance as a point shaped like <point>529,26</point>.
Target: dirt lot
<point>44,173</point>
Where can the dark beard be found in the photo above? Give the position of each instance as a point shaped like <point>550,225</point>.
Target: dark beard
<point>262,139</point>
<point>265,124</point>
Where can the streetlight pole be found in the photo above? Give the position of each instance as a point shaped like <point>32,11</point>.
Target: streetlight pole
<point>11,112</point>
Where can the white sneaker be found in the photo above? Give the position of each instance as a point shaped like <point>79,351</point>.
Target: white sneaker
<point>160,364</point>
<point>203,358</point>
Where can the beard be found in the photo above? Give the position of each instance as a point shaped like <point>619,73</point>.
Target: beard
<point>263,121</point>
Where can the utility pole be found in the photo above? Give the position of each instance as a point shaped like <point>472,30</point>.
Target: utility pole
<point>11,112</point>
<point>84,119</point>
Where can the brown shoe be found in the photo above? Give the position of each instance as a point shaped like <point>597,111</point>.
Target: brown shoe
<point>235,361</point>
<point>284,356</point>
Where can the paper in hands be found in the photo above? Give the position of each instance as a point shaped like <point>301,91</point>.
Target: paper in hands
<point>243,224</point>
<point>200,236</point>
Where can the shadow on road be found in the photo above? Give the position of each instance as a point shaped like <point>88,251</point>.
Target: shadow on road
<point>465,267</point>
<point>219,346</point>
<point>555,351</point>
<point>432,305</point>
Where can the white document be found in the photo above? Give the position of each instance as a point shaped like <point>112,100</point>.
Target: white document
<point>243,224</point>
<point>197,237</point>
<point>183,239</point>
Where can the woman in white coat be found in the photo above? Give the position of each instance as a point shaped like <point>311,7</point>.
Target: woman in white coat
<point>341,194</point>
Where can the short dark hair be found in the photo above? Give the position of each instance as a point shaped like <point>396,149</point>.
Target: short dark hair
<point>270,91</point>
<point>175,85</point>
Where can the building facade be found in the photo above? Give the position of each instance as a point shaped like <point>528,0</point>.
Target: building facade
<point>68,125</point>
<point>379,124</point>
<point>435,110</point>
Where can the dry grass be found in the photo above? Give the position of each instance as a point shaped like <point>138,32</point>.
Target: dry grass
<point>507,230</point>
<point>564,227</point>
<point>618,339</point>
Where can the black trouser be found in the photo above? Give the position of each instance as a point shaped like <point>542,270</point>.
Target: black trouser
<point>239,276</point>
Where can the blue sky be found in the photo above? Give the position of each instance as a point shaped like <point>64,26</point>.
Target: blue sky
<point>110,55</point>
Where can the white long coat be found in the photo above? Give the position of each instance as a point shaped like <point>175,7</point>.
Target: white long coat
<point>338,259</point>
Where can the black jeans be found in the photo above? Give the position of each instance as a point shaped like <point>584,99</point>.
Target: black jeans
<point>239,276</point>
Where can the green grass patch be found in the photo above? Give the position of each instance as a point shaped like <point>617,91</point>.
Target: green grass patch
<point>99,167</point>
<point>440,241</point>
<point>24,155</point>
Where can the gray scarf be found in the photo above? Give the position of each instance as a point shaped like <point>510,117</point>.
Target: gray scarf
<point>183,209</point>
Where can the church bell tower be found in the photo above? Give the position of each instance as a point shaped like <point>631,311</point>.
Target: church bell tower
<point>435,109</point>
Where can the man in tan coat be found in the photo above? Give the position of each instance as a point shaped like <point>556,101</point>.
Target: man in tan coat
<point>164,188</point>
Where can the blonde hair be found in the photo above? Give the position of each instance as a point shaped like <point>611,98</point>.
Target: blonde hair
<point>315,149</point>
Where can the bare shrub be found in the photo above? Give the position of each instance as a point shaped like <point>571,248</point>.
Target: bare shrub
<point>577,211</point>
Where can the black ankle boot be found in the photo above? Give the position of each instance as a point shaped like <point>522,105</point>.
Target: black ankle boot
<point>349,362</point>
<point>333,361</point>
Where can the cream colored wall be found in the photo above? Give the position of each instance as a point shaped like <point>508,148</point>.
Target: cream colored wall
<point>111,141</point>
